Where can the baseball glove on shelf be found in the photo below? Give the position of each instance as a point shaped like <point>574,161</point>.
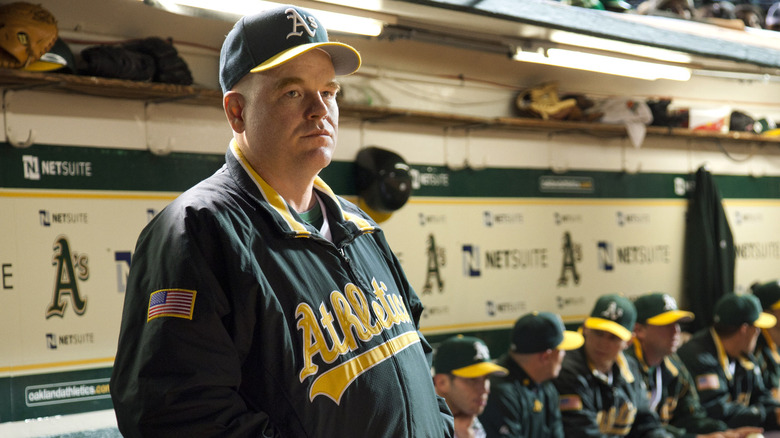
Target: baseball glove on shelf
<point>27,32</point>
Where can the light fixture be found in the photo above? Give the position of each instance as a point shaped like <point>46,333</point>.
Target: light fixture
<point>591,42</point>
<point>603,64</point>
<point>233,9</point>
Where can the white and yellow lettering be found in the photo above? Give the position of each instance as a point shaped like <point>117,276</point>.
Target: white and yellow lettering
<point>313,340</point>
<point>326,318</point>
<point>360,306</point>
<point>349,323</point>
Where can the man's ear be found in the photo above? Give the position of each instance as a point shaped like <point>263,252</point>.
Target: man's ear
<point>441,383</point>
<point>233,102</point>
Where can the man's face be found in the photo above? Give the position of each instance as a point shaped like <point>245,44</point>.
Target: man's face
<point>659,340</point>
<point>291,117</point>
<point>602,348</point>
<point>750,338</point>
<point>557,361</point>
<point>465,396</point>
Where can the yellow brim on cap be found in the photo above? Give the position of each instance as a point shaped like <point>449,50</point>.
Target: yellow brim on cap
<point>480,369</point>
<point>776,305</point>
<point>571,341</point>
<point>346,60</point>
<point>669,317</point>
<point>608,326</point>
<point>765,321</point>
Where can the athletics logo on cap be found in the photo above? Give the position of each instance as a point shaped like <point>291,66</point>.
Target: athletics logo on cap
<point>465,356</point>
<point>614,314</point>
<point>265,40</point>
<point>300,21</point>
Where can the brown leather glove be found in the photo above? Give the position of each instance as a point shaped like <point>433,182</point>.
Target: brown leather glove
<point>27,32</point>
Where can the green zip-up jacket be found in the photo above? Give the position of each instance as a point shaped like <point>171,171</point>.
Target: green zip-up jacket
<point>679,407</point>
<point>591,406</point>
<point>519,408</point>
<point>730,389</point>
<point>241,320</point>
<point>768,359</point>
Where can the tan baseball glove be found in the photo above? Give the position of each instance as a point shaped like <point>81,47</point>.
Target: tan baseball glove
<point>27,32</point>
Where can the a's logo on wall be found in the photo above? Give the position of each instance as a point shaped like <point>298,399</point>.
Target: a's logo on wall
<point>122,259</point>
<point>32,170</point>
<point>572,253</point>
<point>471,262</point>
<point>70,267</point>
<point>436,260</point>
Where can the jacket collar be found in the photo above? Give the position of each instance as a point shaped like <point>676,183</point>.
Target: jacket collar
<point>723,358</point>
<point>285,216</point>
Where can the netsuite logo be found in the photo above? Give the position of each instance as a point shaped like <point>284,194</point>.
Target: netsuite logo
<point>561,219</point>
<point>740,217</point>
<point>431,219</point>
<point>35,168</point>
<point>47,218</point>
<point>624,218</point>
<point>609,256</point>
<point>493,308</point>
<point>429,178</point>
<point>53,341</point>
<point>491,219</point>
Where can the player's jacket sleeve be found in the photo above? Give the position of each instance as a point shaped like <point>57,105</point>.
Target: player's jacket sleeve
<point>175,376</point>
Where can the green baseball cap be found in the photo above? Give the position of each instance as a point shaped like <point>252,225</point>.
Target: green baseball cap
<point>465,356</point>
<point>540,331</point>
<point>659,309</point>
<point>614,314</point>
<point>768,294</point>
<point>270,38</point>
<point>733,309</point>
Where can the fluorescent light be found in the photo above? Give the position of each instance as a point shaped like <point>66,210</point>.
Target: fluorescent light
<point>604,64</point>
<point>579,40</point>
<point>333,21</point>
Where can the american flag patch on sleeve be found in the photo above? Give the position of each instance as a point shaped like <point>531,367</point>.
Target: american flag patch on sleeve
<point>707,381</point>
<point>571,402</point>
<point>171,302</point>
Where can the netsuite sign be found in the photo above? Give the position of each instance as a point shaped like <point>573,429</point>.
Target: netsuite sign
<point>35,168</point>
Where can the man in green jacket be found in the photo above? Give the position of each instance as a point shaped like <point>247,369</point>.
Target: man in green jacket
<point>259,303</point>
<point>524,404</point>
<point>657,336</point>
<point>601,392</point>
<point>720,359</point>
